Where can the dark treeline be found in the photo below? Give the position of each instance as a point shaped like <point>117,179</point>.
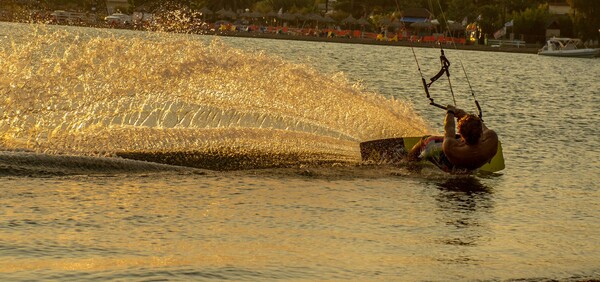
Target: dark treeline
<point>530,17</point>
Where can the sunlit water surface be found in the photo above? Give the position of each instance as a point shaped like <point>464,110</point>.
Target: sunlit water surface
<point>287,117</point>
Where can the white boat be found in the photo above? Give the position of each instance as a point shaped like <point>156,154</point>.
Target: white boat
<point>567,47</point>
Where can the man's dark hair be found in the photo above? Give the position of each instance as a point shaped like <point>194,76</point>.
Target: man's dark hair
<point>470,128</point>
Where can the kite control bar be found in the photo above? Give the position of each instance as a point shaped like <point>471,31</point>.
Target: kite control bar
<point>433,103</point>
<point>445,69</point>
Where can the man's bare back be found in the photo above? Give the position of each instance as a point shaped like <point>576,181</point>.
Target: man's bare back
<point>476,146</point>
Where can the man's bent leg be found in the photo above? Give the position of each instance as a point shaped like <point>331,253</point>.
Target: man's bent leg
<point>417,149</point>
<point>413,154</point>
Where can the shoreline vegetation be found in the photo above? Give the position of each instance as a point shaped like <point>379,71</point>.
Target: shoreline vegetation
<point>332,36</point>
<point>527,48</point>
<point>518,28</point>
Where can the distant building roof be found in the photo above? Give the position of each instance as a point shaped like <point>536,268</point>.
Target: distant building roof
<point>413,20</point>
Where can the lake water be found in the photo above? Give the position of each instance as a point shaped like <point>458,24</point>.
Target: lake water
<point>282,120</point>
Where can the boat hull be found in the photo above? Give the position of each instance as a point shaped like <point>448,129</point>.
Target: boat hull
<point>578,53</point>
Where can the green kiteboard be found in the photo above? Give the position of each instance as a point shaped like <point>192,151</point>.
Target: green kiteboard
<point>393,150</point>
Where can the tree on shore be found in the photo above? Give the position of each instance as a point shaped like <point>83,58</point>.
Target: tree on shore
<point>586,18</point>
<point>532,22</point>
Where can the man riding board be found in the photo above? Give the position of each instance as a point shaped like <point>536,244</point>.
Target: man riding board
<point>475,145</point>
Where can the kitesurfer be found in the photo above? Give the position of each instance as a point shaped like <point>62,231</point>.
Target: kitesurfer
<point>474,146</point>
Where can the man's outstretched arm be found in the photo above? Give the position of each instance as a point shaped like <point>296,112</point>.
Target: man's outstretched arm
<point>449,122</point>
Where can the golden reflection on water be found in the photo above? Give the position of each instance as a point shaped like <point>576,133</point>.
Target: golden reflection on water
<point>204,223</point>
<point>235,222</point>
